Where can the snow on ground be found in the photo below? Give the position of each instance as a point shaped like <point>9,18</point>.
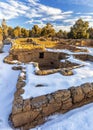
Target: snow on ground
<point>90,51</point>
<point>65,51</point>
<point>54,82</point>
<point>8,79</point>
<point>77,119</point>
<point>72,59</point>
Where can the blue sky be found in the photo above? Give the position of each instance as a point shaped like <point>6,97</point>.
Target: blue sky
<point>61,13</point>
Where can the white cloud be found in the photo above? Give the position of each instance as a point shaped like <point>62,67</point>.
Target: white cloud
<point>49,10</point>
<point>68,13</point>
<point>70,21</point>
<point>32,21</point>
<point>50,14</point>
<point>33,2</point>
<point>47,13</point>
<point>12,9</point>
<point>87,18</point>
<point>88,13</point>
<point>62,27</point>
<point>77,2</point>
<point>53,18</point>
<point>40,13</point>
<point>82,2</point>
<point>91,23</point>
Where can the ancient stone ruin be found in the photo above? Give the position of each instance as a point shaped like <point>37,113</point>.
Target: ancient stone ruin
<point>28,113</point>
<point>31,112</point>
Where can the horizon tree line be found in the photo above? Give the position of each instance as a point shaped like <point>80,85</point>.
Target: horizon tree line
<point>79,30</point>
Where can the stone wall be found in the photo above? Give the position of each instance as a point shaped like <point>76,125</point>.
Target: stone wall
<point>77,42</point>
<point>84,57</point>
<point>44,58</point>
<point>67,64</point>
<point>31,112</point>
<point>90,58</point>
<point>49,59</point>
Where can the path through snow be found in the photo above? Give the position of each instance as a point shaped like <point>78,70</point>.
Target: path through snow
<point>8,79</point>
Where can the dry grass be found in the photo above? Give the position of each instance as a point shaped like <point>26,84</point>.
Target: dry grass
<point>21,43</point>
<point>47,43</point>
<point>27,47</point>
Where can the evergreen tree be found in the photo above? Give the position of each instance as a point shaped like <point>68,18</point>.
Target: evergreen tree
<point>4,29</point>
<point>36,31</point>
<point>90,31</point>
<point>48,30</point>
<point>79,30</point>
<point>17,32</point>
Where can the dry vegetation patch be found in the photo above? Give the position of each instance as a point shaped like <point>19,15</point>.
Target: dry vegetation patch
<point>29,42</point>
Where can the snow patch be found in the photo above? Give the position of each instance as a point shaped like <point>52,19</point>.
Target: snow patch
<point>8,79</point>
<point>55,81</point>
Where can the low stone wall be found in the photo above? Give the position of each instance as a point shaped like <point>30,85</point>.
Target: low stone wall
<point>66,71</point>
<point>84,57</point>
<point>34,111</point>
<point>67,64</point>
<point>78,42</point>
<point>90,58</point>
<point>49,60</point>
